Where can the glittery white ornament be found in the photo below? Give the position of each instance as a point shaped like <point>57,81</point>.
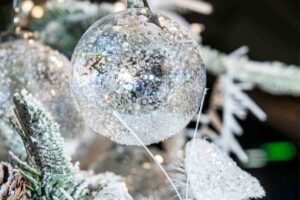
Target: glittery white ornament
<point>142,66</point>
<point>28,64</point>
<point>214,176</point>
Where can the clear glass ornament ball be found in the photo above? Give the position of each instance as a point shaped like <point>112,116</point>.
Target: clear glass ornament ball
<point>44,72</point>
<point>145,68</point>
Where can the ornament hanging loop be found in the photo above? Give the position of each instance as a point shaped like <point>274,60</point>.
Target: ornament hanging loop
<point>142,4</point>
<point>137,4</point>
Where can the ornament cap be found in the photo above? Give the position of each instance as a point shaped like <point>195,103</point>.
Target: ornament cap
<point>137,4</point>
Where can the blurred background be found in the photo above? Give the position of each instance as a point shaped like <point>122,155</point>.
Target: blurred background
<point>270,28</point>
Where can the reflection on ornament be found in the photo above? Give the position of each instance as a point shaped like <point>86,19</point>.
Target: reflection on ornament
<point>142,66</point>
<point>43,72</point>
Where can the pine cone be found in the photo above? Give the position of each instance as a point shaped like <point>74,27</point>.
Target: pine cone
<point>12,184</point>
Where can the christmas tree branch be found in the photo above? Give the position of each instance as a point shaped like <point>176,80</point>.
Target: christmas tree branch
<point>44,147</point>
<point>50,175</point>
<point>42,138</point>
<point>273,77</point>
<point>24,166</point>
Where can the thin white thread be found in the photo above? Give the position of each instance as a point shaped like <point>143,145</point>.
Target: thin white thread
<point>148,151</point>
<point>193,141</point>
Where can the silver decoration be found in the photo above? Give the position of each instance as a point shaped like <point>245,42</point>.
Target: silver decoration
<point>28,64</point>
<point>143,66</point>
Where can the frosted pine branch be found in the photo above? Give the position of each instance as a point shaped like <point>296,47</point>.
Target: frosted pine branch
<point>49,173</point>
<point>43,143</point>
<point>235,103</point>
<point>273,77</point>
<point>38,131</point>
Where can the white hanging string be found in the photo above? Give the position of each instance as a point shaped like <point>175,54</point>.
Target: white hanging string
<point>193,141</point>
<point>116,114</point>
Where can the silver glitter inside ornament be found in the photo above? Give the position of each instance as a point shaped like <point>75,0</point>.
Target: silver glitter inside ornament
<point>44,72</point>
<point>142,66</point>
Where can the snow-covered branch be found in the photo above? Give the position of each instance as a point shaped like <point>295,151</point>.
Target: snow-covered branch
<point>273,77</point>
<point>229,98</point>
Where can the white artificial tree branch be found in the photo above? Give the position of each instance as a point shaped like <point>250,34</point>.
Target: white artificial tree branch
<point>273,77</point>
<point>234,103</point>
